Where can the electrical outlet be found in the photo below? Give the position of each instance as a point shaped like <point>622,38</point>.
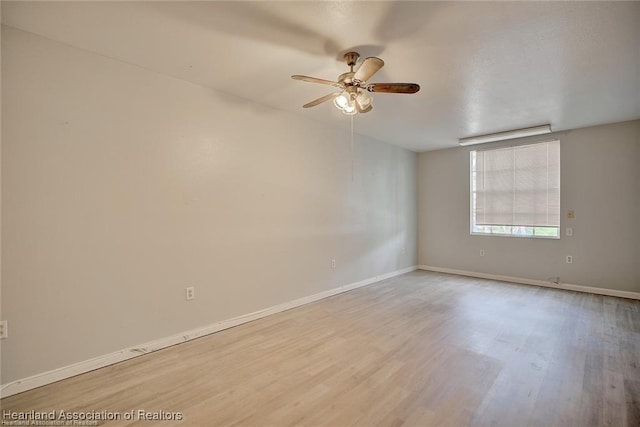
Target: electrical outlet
<point>569,259</point>
<point>481,252</point>
<point>189,293</point>
<point>4,329</point>
<point>333,263</point>
<point>569,231</point>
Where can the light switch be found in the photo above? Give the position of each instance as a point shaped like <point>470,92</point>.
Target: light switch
<point>569,231</point>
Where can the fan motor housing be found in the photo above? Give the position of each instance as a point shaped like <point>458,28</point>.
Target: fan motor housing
<point>346,78</point>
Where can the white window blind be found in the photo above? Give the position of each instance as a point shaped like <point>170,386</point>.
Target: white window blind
<point>518,186</point>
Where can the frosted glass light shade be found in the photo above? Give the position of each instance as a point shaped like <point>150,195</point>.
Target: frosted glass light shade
<point>350,108</point>
<point>364,100</point>
<point>341,100</point>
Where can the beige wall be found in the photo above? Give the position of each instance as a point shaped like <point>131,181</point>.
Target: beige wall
<point>121,187</point>
<point>600,182</point>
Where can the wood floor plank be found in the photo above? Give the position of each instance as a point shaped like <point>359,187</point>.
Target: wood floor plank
<point>422,349</point>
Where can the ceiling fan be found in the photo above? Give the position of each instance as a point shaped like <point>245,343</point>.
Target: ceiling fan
<point>354,94</point>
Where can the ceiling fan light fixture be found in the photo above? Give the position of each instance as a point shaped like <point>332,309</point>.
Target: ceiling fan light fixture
<point>341,100</point>
<point>350,108</point>
<point>364,100</point>
<point>364,110</point>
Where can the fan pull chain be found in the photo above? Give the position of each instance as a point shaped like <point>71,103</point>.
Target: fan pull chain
<point>351,148</point>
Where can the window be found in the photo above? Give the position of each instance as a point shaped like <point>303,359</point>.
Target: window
<point>515,191</point>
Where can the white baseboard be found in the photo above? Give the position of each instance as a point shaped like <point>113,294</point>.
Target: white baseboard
<point>52,376</point>
<point>544,283</point>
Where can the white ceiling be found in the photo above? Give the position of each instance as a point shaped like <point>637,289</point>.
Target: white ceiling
<point>482,67</point>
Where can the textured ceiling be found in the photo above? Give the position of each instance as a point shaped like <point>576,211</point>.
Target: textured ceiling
<point>482,67</point>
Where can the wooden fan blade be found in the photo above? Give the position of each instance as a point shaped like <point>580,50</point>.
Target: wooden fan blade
<point>368,68</point>
<point>320,100</point>
<point>315,80</point>
<point>393,87</point>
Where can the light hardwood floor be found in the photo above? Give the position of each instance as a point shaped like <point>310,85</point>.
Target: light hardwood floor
<point>422,349</point>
